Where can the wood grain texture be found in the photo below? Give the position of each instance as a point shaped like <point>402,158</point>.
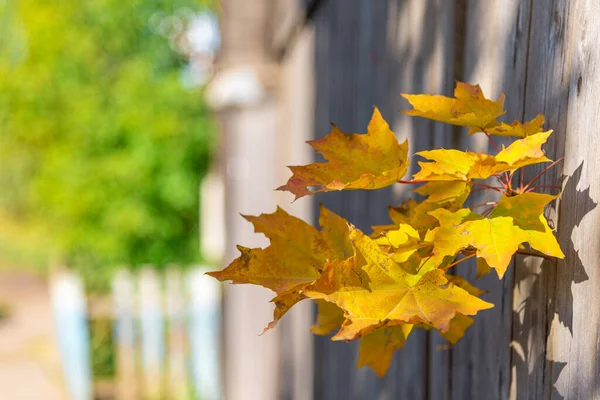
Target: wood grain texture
<point>541,341</point>
<point>577,293</point>
<point>532,293</point>
<point>495,55</point>
<point>366,54</point>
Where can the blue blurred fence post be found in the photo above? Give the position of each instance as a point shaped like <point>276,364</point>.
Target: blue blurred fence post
<point>70,315</point>
<point>152,333</point>
<point>205,334</point>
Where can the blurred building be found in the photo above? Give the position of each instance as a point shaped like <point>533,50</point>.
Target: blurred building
<point>265,105</point>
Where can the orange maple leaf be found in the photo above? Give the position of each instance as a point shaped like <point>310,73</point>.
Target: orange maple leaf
<point>356,161</point>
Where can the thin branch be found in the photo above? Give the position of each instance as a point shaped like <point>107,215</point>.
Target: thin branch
<point>410,182</point>
<point>487,211</point>
<point>535,253</point>
<point>522,178</point>
<point>531,189</point>
<point>486,186</point>
<point>538,176</point>
<point>489,203</point>
<point>446,268</point>
<point>491,140</point>
<point>506,178</point>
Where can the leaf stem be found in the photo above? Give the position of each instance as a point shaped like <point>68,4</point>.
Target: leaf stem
<point>538,176</point>
<point>535,253</point>
<point>486,186</point>
<point>489,203</point>
<point>491,140</point>
<point>446,268</point>
<point>487,211</point>
<point>522,178</point>
<point>542,186</point>
<point>479,190</point>
<point>506,178</point>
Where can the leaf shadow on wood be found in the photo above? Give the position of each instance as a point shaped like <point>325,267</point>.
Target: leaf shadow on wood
<point>533,320</point>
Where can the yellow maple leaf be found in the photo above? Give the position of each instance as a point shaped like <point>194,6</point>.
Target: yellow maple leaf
<point>456,165</point>
<point>522,152</point>
<point>377,348</point>
<point>516,129</point>
<point>400,243</point>
<point>458,326</point>
<point>282,265</point>
<point>527,211</point>
<point>515,220</point>
<point>495,239</point>
<point>355,161</point>
<point>449,195</point>
<point>469,107</point>
<point>483,268</point>
<point>462,283</point>
<point>296,255</point>
<point>329,317</point>
<point>392,294</point>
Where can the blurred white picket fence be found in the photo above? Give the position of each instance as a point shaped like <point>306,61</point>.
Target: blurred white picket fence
<point>166,334</point>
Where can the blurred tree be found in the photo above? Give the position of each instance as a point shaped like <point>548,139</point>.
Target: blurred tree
<point>102,147</point>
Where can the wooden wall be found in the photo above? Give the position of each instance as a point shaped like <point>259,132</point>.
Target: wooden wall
<point>542,339</point>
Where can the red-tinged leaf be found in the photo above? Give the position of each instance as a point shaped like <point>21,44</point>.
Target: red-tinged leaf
<point>356,161</point>
<point>296,255</point>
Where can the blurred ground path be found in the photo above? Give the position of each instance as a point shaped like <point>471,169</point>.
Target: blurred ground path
<point>29,360</point>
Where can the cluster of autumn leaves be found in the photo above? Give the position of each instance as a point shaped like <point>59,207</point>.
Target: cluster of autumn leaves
<point>380,287</point>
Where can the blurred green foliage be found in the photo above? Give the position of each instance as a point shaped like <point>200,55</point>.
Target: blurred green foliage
<point>102,348</point>
<point>102,147</point>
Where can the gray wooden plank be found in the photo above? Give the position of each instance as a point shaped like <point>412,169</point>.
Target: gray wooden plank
<point>494,57</point>
<point>531,63</point>
<point>575,371</point>
<point>535,279</point>
<point>334,85</point>
<point>366,54</point>
<point>444,43</point>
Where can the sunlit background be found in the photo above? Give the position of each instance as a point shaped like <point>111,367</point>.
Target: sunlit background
<point>105,138</point>
<point>133,134</point>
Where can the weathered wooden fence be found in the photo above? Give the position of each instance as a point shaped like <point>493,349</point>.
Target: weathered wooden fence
<point>166,335</point>
<point>331,61</point>
<point>542,339</point>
